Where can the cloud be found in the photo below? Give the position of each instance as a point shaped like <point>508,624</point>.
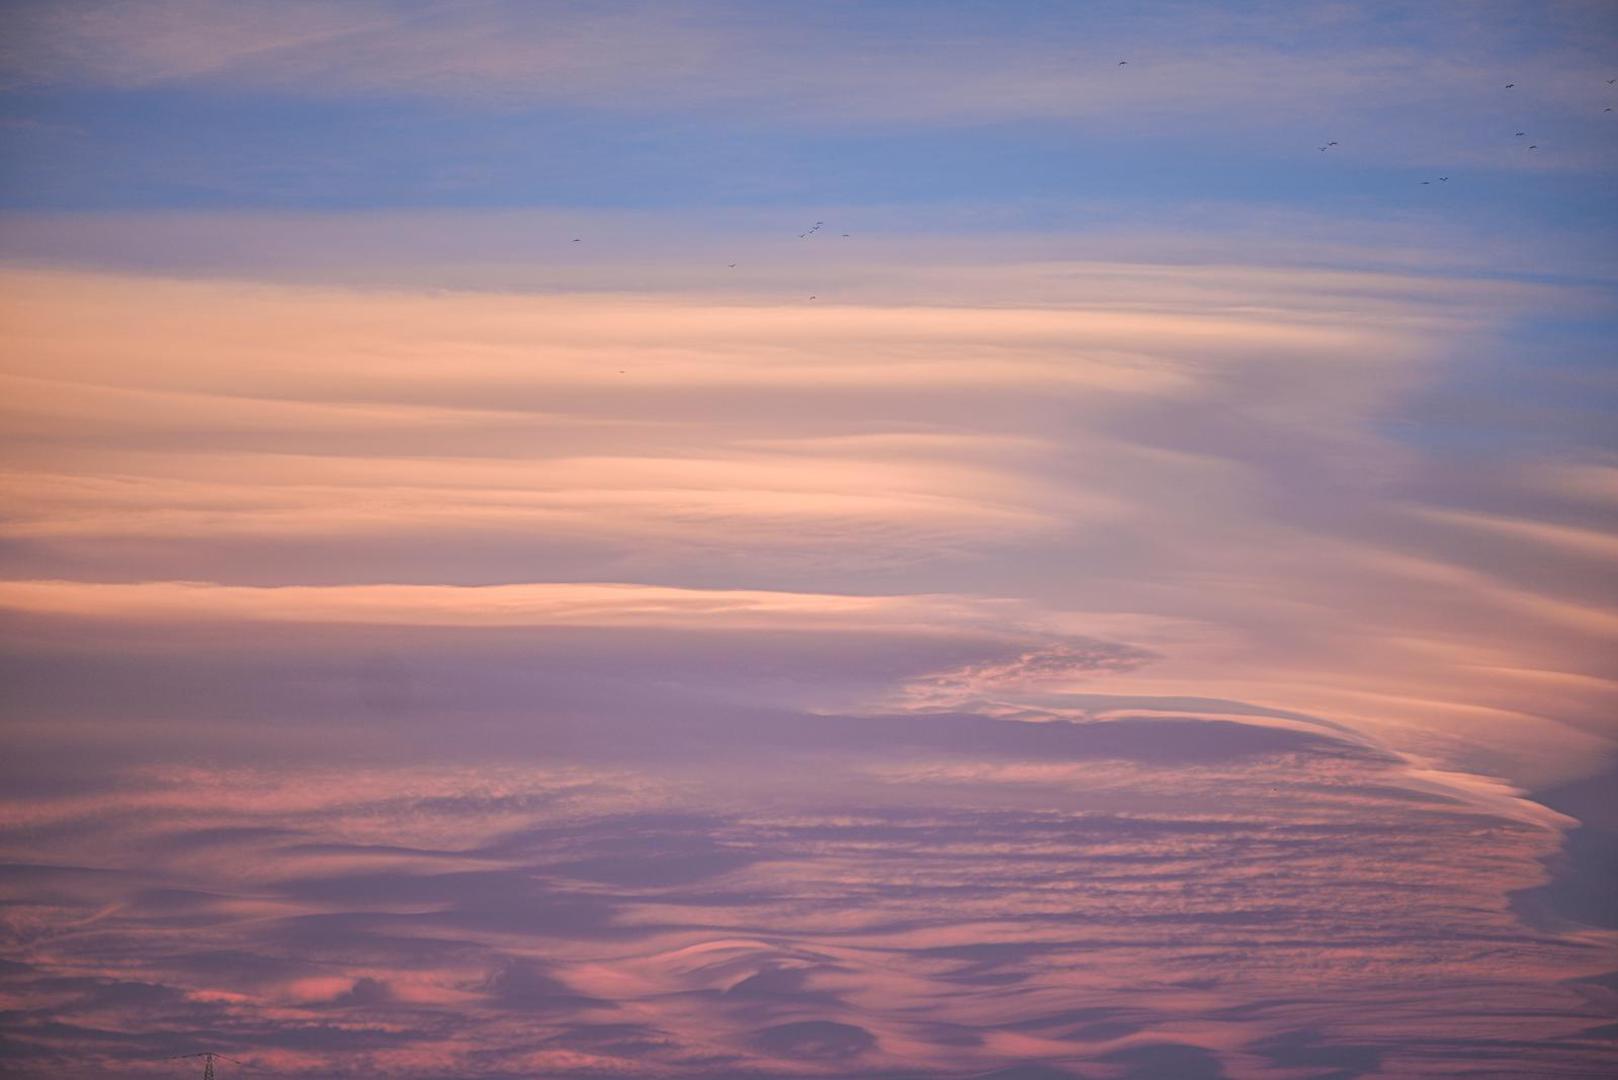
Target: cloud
<point>1021,667</point>
<point>1191,459</point>
<point>814,1040</point>
<point>582,604</point>
<point>1271,66</point>
<point>1065,662</point>
<point>864,922</point>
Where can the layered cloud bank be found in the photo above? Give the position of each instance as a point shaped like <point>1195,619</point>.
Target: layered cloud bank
<point>1203,463</point>
<point>719,541</point>
<point>451,683</point>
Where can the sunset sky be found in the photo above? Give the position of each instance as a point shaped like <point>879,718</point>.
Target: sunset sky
<point>1021,539</point>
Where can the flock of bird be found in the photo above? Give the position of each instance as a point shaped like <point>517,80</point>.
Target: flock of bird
<point>1328,145</point>
<point>1515,134</point>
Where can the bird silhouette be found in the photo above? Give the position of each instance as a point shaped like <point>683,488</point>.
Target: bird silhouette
<point>1509,85</point>
<point>1534,147</point>
<point>1121,63</point>
<point>1426,182</point>
<point>1522,133</point>
<point>1332,143</point>
<point>732,265</point>
<point>1444,178</point>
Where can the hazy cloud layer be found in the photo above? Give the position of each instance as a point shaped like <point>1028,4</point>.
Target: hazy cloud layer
<point>840,64</point>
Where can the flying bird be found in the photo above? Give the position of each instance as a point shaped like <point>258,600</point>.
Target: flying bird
<point>1509,85</point>
<point>1332,143</point>
<point>1611,81</point>
<point>1425,182</point>
<point>1121,63</point>
<point>1534,147</point>
<point>1522,133</point>
<point>1443,178</point>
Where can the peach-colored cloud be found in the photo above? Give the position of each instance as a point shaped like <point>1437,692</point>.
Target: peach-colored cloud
<point>286,343</point>
<point>573,604</point>
<point>1127,452</point>
<point>1564,539</point>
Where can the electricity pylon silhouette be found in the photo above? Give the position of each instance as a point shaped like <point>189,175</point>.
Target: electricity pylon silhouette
<point>207,1057</point>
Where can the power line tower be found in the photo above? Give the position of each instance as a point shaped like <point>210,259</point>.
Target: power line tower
<point>208,1058</point>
